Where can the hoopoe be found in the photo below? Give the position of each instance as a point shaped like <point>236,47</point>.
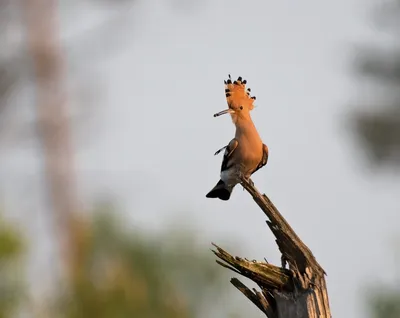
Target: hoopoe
<point>246,153</point>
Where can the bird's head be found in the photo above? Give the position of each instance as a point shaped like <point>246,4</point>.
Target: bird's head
<point>240,103</point>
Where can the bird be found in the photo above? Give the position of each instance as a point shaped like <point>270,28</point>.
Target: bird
<point>246,153</point>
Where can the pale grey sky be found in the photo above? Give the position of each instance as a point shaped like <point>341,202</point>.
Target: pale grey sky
<point>152,141</point>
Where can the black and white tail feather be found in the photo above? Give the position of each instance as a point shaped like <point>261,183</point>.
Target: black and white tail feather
<point>222,189</point>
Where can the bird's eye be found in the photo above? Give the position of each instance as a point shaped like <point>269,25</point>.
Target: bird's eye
<point>241,107</point>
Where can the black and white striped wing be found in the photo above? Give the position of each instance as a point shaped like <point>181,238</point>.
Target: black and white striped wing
<point>230,148</point>
<point>264,159</point>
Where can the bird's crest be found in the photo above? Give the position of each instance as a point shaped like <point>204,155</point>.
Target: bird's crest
<point>237,95</point>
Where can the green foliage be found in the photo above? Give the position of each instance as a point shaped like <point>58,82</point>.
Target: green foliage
<point>124,273</point>
<point>121,272</point>
<point>385,304</point>
<point>11,249</point>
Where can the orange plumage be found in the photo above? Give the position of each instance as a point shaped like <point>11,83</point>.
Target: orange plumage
<point>237,95</point>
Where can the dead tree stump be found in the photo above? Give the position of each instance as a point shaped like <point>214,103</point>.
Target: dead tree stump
<point>298,291</point>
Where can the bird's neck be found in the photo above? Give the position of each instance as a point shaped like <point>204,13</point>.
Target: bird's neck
<point>246,127</point>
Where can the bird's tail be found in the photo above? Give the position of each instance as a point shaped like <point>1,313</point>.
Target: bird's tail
<point>220,191</point>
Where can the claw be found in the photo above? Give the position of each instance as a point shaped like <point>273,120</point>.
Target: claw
<point>250,182</point>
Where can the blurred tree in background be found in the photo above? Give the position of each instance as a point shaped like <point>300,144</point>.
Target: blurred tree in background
<point>121,273</point>
<point>378,127</point>
<point>117,271</point>
<point>124,273</point>
<point>11,271</point>
<point>385,304</point>
<point>8,61</point>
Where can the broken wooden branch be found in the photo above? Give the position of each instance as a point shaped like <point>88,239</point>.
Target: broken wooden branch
<point>297,292</point>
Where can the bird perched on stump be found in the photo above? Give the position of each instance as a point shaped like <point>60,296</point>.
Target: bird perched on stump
<point>246,153</point>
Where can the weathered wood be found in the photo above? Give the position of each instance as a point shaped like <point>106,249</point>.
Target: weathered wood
<point>297,292</point>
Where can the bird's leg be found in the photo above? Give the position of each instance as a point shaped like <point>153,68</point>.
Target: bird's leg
<point>249,181</point>
<point>241,177</point>
<point>239,174</point>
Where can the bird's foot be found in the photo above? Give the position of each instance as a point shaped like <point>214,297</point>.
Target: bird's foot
<point>240,176</point>
<point>250,182</point>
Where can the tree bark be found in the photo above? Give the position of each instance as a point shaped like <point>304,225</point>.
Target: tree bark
<point>298,291</point>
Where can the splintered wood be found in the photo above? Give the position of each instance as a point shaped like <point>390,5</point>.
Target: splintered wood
<point>298,291</point>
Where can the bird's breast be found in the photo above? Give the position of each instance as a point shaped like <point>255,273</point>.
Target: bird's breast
<point>249,154</point>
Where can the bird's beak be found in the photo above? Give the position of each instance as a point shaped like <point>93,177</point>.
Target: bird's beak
<point>226,111</point>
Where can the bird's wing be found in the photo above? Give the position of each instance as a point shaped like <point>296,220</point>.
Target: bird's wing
<point>219,150</point>
<point>229,149</point>
<point>264,159</point>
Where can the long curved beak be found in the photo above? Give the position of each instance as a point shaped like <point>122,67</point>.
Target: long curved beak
<point>226,111</point>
